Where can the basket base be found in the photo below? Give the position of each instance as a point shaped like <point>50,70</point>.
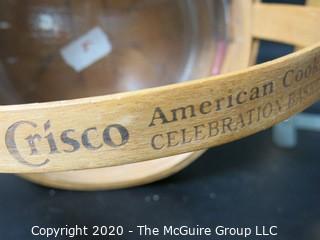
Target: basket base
<point>115,177</point>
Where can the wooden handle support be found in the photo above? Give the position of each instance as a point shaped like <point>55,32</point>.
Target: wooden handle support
<point>296,25</point>
<point>158,122</point>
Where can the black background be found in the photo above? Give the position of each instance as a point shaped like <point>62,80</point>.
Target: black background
<point>245,183</point>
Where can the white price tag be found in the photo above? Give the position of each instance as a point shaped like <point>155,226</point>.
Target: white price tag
<point>87,49</point>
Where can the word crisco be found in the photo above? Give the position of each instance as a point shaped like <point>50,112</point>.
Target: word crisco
<point>38,140</point>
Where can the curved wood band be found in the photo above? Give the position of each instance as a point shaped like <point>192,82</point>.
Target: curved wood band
<point>136,126</point>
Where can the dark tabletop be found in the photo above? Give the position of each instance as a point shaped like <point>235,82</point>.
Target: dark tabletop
<point>241,184</point>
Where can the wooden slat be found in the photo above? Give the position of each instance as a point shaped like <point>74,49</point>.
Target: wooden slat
<point>297,25</point>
